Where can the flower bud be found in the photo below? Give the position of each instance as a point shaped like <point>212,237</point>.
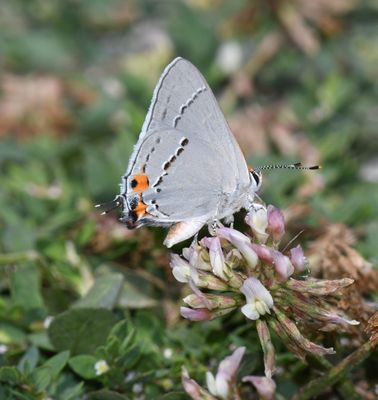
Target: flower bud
<point>318,287</point>
<point>276,223</point>
<point>334,318</point>
<point>267,346</point>
<point>233,258</point>
<point>209,281</point>
<point>298,344</point>
<point>266,387</point>
<point>264,253</point>
<point>298,259</point>
<point>203,314</point>
<point>200,314</point>
<point>197,256</point>
<point>236,280</point>
<point>216,301</point>
<point>282,265</point>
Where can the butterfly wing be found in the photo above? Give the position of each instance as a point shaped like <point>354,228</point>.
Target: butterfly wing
<point>186,159</point>
<point>183,100</point>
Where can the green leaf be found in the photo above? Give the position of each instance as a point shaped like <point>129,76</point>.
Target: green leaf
<point>121,339</point>
<point>10,375</point>
<point>125,332</point>
<point>84,365</point>
<point>73,392</point>
<point>25,287</point>
<point>29,360</point>
<point>175,396</point>
<point>112,347</point>
<point>106,394</point>
<point>86,232</point>
<point>135,292</point>
<point>42,377</point>
<point>131,357</point>
<point>103,294</point>
<point>334,92</point>
<point>121,329</point>
<point>11,334</point>
<point>41,340</point>
<point>57,363</point>
<point>81,330</point>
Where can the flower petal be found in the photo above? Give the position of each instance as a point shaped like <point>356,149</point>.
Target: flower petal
<point>210,382</point>
<point>232,235</point>
<point>263,252</point>
<point>257,219</point>
<point>283,266</point>
<point>197,292</point>
<point>253,289</point>
<point>200,314</point>
<point>217,258</point>
<point>261,307</point>
<point>249,254</point>
<point>101,367</point>
<point>191,387</point>
<point>223,387</point>
<point>229,366</point>
<point>250,312</point>
<point>266,387</point>
<point>197,256</point>
<point>181,269</point>
<point>242,242</point>
<point>338,319</point>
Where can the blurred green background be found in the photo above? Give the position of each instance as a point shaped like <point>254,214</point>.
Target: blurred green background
<point>297,81</point>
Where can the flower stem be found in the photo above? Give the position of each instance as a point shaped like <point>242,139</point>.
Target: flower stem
<point>13,258</point>
<point>344,387</point>
<point>335,374</point>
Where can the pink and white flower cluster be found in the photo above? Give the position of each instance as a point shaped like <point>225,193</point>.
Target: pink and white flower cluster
<point>232,271</point>
<point>224,384</point>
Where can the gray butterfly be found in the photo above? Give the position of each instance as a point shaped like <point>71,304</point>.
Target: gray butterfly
<point>187,169</point>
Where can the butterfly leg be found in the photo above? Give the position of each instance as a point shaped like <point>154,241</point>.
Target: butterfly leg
<point>213,226</point>
<point>229,221</point>
<point>182,231</point>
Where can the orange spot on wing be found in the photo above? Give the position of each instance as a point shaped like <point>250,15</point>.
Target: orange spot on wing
<point>140,209</point>
<point>139,183</point>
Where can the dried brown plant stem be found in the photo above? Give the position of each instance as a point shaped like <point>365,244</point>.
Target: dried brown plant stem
<point>337,373</point>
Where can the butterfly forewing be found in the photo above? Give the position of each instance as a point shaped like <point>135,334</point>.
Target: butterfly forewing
<point>182,99</point>
<point>186,156</point>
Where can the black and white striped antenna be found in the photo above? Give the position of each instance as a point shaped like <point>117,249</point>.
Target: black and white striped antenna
<point>297,165</point>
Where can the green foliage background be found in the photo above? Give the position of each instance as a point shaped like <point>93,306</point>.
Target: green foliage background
<point>109,290</point>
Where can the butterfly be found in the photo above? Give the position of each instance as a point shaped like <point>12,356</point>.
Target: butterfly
<point>187,169</point>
